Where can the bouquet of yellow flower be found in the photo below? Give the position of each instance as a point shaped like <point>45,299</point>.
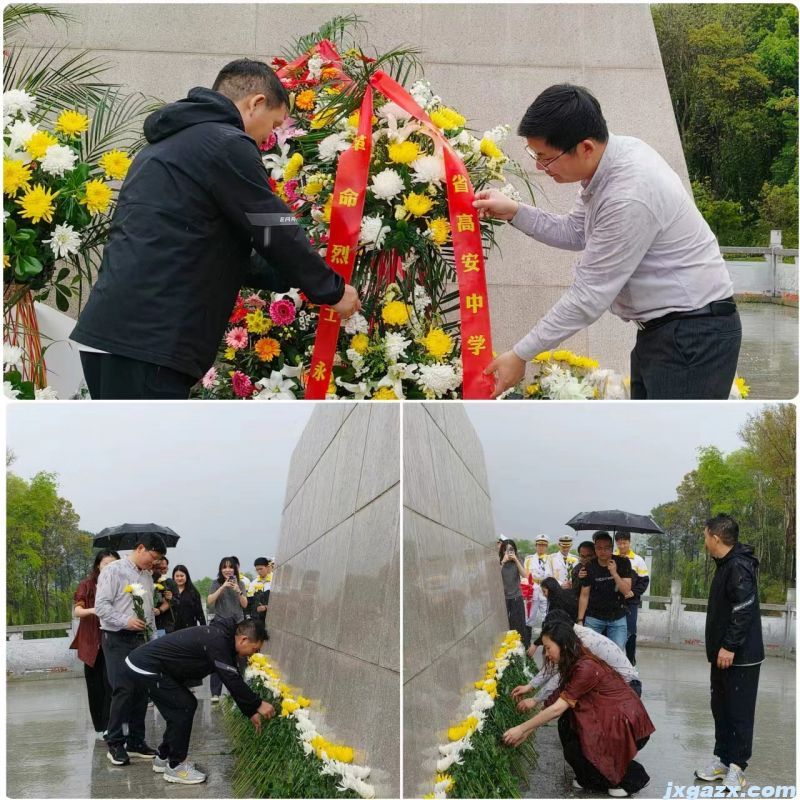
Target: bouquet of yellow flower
<point>53,194</point>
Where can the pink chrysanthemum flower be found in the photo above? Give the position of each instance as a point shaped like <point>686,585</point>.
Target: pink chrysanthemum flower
<point>282,312</point>
<point>209,378</point>
<point>242,385</point>
<point>254,301</point>
<point>237,338</point>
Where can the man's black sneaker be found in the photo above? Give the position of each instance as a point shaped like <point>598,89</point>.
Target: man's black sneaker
<point>118,755</point>
<point>140,750</point>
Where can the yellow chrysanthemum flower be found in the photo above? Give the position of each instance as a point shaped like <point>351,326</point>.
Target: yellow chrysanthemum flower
<point>437,343</point>
<point>303,702</point>
<point>128,589</point>
<point>446,779</point>
<point>16,175</point>
<point>385,393</point>
<point>742,386</point>
<point>38,143</point>
<point>565,356</point>
<point>280,190</point>
<point>395,313</point>
<point>341,753</point>
<point>456,733</point>
<point>447,119</point>
<point>490,149</point>
<point>324,118</point>
<point>293,166</point>
<point>288,706</point>
<point>360,343</point>
<point>532,389</point>
<point>229,354</point>
<point>97,198</point>
<point>305,100</point>
<point>267,349</point>
<point>417,204</point>
<point>72,123</point>
<point>6,261</point>
<point>544,358</point>
<point>440,230</point>
<point>314,185</point>
<point>115,164</point>
<point>37,204</point>
<point>403,152</point>
<point>257,322</point>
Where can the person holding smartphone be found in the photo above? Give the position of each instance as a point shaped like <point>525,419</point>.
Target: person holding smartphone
<point>512,571</point>
<point>227,599</point>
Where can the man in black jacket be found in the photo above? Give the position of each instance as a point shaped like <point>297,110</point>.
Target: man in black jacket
<point>735,649</point>
<point>163,666</point>
<point>195,221</point>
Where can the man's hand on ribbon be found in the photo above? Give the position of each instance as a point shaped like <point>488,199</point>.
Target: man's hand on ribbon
<point>493,204</point>
<point>349,304</point>
<point>508,370</point>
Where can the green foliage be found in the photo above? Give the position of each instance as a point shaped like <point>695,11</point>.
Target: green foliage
<point>272,763</point>
<point>757,486</point>
<point>490,769</point>
<point>47,553</point>
<point>732,75</point>
<point>203,586</point>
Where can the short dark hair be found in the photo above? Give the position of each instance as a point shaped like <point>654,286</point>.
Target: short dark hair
<point>152,541</point>
<point>253,629</point>
<point>724,526</point>
<point>588,544</point>
<point>244,77</point>
<point>622,535</point>
<point>564,115</point>
<point>602,536</point>
<point>261,562</point>
<point>100,555</point>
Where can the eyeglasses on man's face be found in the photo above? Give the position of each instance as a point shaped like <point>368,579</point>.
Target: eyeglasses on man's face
<point>543,163</point>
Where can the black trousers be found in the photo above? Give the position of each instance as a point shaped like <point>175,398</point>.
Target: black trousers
<point>515,609</point>
<point>111,377</point>
<point>687,359</point>
<point>175,703</point>
<point>586,773</point>
<point>733,704</point>
<point>630,644</point>
<point>98,690</point>
<point>128,702</point>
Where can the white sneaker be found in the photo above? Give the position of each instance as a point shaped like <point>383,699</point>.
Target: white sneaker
<point>575,784</point>
<point>715,771</point>
<point>617,792</point>
<point>183,773</point>
<point>214,698</point>
<point>160,764</point>
<point>734,778</point>
<point>100,735</point>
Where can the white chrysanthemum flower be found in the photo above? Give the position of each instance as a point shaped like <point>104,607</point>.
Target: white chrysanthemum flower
<point>59,159</point>
<point>391,109</point>
<point>332,145</point>
<point>498,134</point>
<point>9,391</point>
<point>509,190</point>
<point>356,361</point>
<point>373,232</point>
<point>275,388</point>
<point>396,345</point>
<point>17,101</point>
<point>421,299</point>
<point>483,702</point>
<point>561,384</point>
<point>444,764</point>
<point>12,356</point>
<point>64,241</point>
<point>137,590</point>
<point>19,132</point>
<point>428,169</point>
<point>387,184</point>
<point>307,749</point>
<point>356,324</point>
<point>421,92</point>
<point>314,66</point>
<point>437,379</point>
<point>48,393</point>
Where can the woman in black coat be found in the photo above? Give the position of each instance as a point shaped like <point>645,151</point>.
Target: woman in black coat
<point>188,608</point>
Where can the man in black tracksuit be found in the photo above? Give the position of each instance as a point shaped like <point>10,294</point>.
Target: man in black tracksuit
<point>163,666</point>
<point>195,221</point>
<point>735,648</point>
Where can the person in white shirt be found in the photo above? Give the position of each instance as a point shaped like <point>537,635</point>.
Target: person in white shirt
<point>560,563</point>
<point>641,580</point>
<point>647,254</point>
<point>536,566</point>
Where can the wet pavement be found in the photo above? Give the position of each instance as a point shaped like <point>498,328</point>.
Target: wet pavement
<point>676,695</point>
<point>52,752</point>
<point>769,356</point>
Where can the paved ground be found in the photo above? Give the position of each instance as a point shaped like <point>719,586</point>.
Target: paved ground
<point>52,753</point>
<point>675,692</point>
<point>768,359</point>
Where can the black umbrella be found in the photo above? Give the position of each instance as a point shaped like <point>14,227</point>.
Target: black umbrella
<point>127,536</point>
<point>613,521</point>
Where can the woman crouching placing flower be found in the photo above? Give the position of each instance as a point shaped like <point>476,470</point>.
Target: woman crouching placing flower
<point>601,722</point>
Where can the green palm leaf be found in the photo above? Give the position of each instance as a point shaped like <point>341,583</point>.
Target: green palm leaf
<point>16,17</point>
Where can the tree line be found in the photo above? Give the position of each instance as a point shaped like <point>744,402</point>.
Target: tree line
<point>732,72</point>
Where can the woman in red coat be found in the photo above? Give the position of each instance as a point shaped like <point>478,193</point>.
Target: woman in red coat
<point>87,643</point>
<point>601,722</point>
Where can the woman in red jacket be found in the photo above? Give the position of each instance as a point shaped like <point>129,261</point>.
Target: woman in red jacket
<point>601,722</point>
<point>87,643</point>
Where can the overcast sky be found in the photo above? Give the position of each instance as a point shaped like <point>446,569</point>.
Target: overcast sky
<point>215,477</point>
<point>547,461</point>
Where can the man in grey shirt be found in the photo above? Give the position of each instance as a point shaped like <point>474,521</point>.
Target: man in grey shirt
<point>122,631</point>
<point>647,254</point>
